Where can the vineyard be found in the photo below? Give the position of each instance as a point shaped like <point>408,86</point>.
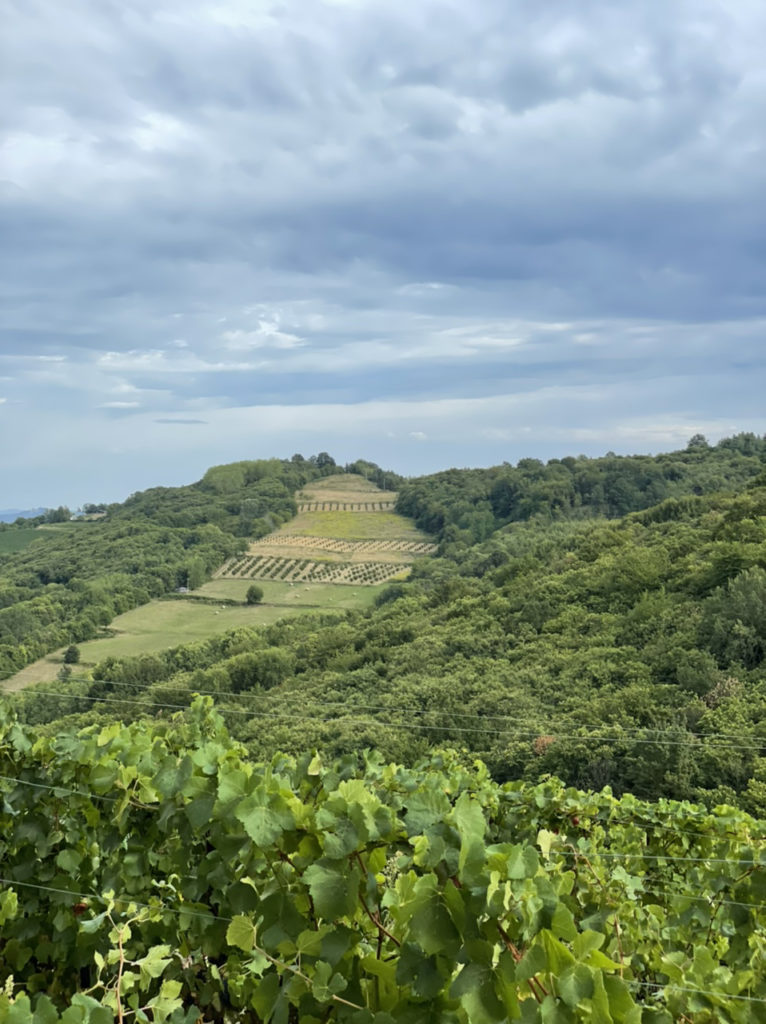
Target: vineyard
<point>347,506</point>
<point>344,546</point>
<point>152,873</point>
<point>306,570</point>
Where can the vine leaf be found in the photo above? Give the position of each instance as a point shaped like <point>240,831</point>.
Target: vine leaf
<point>241,933</point>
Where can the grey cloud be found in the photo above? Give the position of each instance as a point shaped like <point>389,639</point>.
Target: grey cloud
<point>362,201</point>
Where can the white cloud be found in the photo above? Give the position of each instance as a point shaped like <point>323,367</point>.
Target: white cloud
<point>265,335</point>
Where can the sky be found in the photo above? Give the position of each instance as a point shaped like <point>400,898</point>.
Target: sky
<point>427,234</point>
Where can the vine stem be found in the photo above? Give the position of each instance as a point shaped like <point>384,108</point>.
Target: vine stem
<point>375,918</point>
<point>304,977</point>
<point>617,930</point>
<point>513,950</point>
<point>120,968</point>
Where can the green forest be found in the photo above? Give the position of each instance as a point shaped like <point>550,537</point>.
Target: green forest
<point>529,784</point>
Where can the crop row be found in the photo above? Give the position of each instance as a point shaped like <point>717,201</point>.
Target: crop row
<point>346,506</point>
<point>302,570</point>
<point>344,546</point>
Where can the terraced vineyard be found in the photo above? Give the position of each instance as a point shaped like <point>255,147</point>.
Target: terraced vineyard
<point>305,570</point>
<point>334,544</point>
<point>346,506</point>
<point>365,552</point>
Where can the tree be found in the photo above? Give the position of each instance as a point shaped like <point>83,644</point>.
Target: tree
<point>698,442</point>
<point>254,594</point>
<point>72,655</point>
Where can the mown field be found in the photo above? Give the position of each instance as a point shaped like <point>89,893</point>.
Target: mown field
<point>155,627</point>
<point>17,540</point>
<point>353,526</point>
<point>327,596</point>
<point>163,624</point>
<point>344,487</point>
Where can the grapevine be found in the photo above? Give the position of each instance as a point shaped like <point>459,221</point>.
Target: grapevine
<point>154,873</point>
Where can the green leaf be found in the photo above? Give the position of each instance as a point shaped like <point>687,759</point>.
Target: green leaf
<point>431,925</point>
<point>470,822</point>
<point>266,995</point>
<point>574,984</point>
<point>172,776</point>
<point>199,811</point>
<point>233,784</point>
<point>45,1012</point>
<point>241,933</point>
<point>69,861</point>
<point>475,988</point>
<point>265,817</point>
<point>522,862</point>
<point>154,963</point>
<point>544,841</point>
<point>557,954</point>
<point>9,905</point>
<point>420,972</point>
<point>325,984</point>
<point>334,888</point>
<point>562,924</point>
<point>425,807</point>
<point>586,942</point>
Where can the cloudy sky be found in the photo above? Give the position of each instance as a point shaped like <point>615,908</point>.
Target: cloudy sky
<point>423,233</point>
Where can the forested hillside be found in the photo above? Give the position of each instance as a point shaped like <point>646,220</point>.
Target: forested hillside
<point>627,653</point>
<point>469,504</point>
<point>76,577</point>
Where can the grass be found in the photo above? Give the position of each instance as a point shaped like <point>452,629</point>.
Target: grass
<point>328,596</point>
<point>16,540</point>
<point>316,553</point>
<point>343,487</point>
<point>353,526</point>
<point>163,624</point>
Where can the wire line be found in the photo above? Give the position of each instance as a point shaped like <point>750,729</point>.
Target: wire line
<point>247,694</point>
<point>179,911</point>
<point>398,725</point>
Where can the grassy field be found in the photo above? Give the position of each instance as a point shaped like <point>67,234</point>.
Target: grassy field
<point>163,624</point>
<point>17,540</point>
<point>317,548</point>
<point>327,596</point>
<point>352,526</point>
<point>343,487</point>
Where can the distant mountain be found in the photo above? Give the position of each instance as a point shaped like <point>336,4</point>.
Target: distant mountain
<point>10,515</point>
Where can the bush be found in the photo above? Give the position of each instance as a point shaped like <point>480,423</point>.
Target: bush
<point>254,594</point>
<point>72,655</point>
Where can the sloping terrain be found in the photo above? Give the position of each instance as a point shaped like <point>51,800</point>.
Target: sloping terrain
<point>345,532</point>
<point>300,573</point>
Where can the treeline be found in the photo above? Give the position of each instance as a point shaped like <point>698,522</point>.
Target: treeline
<point>630,653</point>
<point>70,586</point>
<point>468,505</point>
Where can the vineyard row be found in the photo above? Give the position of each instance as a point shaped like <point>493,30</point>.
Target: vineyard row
<point>302,570</point>
<point>344,546</point>
<point>346,506</point>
